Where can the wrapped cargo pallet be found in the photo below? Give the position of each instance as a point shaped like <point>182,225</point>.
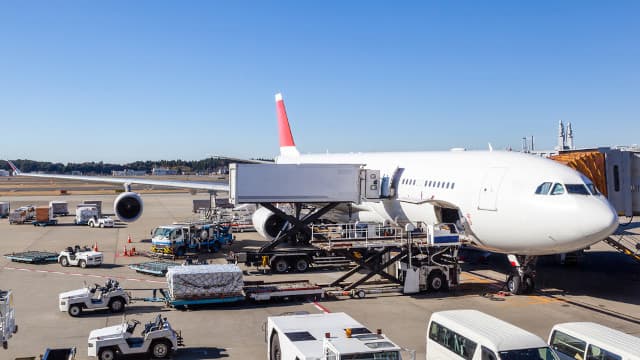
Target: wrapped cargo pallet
<point>204,281</point>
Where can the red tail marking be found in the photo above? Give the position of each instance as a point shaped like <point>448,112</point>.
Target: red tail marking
<point>284,130</point>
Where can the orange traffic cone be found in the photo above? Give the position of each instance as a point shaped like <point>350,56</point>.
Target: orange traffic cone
<point>95,246</point>
<point>125,252</point>
<point>129,239</point>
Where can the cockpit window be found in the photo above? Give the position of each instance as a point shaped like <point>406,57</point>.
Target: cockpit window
<point>543,189</point>
<point>577,189</point>
<point>558,189</point>
<point>593,189</point>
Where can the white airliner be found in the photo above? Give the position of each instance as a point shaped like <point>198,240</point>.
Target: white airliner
<point>507,202</point>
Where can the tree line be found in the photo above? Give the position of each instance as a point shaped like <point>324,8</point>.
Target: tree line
<point>203,166</point>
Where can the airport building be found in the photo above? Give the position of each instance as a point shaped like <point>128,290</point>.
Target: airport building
<point>163,171</point>
<point>129,172</point>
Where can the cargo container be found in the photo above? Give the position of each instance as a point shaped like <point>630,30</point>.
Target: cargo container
<point>5,208</point>
<point>95,203</point>
<point>59,208</point>
<point>44,216</point>
<point>84,213</point>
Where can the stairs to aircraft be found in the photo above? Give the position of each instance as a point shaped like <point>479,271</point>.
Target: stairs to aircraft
<point>626,244</point>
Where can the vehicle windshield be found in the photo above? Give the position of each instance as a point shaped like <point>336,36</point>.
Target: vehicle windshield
<point>384,355</point>
<point>164,232</point>
<point>579,189</point>
<point>543,353</point>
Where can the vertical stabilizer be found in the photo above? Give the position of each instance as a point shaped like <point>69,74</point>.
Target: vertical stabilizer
<point>287,146</point>
<point>15,169</point>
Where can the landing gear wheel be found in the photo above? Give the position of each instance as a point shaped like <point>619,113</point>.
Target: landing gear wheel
<point>75,310</point>
<point>160,350</point>
<point>276,353</point>
<point>529,285</point>
<point>64,261</point>
<point>82,264</point>
<point>107,354</point>
<point>116,305</point>
<point>436,281</point>
<point>302,265</point>
<point>515,285</point>
<point>279,265</point>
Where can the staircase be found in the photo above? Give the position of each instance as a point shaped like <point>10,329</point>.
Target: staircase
<point>626,244</point>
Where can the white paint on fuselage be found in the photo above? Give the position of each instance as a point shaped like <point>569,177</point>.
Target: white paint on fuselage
<point>518,222</point>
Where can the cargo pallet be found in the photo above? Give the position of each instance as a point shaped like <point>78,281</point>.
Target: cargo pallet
<point>33,257</point>
<point>45,223</point>
<point>157,268</point>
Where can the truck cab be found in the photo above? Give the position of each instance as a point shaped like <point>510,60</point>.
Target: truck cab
<point>177,239</point>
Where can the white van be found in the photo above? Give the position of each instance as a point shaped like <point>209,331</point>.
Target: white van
<point>591,341</point>
<point>471,334</point>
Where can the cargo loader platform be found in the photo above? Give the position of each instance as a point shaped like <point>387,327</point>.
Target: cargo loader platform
<point>33,257</point>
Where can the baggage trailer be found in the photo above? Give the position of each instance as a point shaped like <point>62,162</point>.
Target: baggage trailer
<point>33,257</point>
<point>157,268</point>
<point>8,325</point>
<point>53,354</point>
<point>332,336</point>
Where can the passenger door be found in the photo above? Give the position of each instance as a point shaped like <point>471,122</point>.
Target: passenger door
<point>488,197</point>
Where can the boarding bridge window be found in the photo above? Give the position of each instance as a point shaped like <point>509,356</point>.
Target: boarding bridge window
<point>596,353</point>
<point>544,188</point>
<point>558,189</point>
<point>453,341</point>
<point>567,345</point>
<point>576,189</point>
<point>616,178</point>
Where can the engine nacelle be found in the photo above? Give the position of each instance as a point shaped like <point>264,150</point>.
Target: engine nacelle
<point>128,206</point>
<point>267,223</point>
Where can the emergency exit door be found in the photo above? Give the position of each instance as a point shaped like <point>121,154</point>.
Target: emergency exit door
<point>489,190</point>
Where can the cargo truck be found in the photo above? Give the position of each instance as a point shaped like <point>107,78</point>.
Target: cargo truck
<point>178,239</point>
<point>332,336</point>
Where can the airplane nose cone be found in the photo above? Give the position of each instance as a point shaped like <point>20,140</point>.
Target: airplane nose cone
<point>602,222</point>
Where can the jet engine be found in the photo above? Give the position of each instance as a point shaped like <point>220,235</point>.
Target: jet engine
<point>267,223</point>
<point>128,206</point>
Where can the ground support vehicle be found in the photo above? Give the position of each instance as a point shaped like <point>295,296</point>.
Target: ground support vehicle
<point>54,354</point>
<point>332,336</point>
<point>179,239</point>
<point>82,257</point>
<point>33,257</point>
<point>101,222</point>
<point>84,213</point>
<point>588,340</point>
<point>158,339</point>
<point>8,325</point>
<point>110,296</point>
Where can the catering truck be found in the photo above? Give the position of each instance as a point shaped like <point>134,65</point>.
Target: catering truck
<point>180,238</point>
<point>331,336</point>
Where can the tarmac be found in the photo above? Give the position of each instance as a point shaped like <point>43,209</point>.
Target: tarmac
<point>603,287</point>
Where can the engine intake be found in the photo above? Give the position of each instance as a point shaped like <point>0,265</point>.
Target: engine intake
<point>128,207</point>
<point>266,223</point>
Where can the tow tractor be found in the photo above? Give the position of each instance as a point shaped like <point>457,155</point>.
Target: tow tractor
<point>110,296</point>
<point>77,256</point>
<point>8,325</point>
<point>157,339</point>
<point>101,222</point>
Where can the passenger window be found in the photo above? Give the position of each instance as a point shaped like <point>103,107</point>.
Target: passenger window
<point>453,341</point>
<point>425,183</point>
<point>558,189</point>
<point>452,185</point>
<point>488,354</point>
<point>543,189</point>
<point>596,353</point>
<point>568,345</point>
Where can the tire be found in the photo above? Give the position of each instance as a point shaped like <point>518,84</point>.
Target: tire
<point>514,284</point>
<point>529,285</point>
<point>160,350</point>
<point>302,264</point>
<point>5,345</point>
<point>75,310</point>
<point>82,264</point>
<point>91,224</point>
<point>275,353</point>
<point>436,281</point>
<point>101,225</point>
<point>116,305</point>
<point>279,265</point>
<point>107,354</point>
<point>15,329</point>
<point>64,261</point>
<point>216,247</point>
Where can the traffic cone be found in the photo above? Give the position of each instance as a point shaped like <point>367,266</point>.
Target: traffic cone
<point>95,246</point>
<point>129,239</point>
<point>125,252</point>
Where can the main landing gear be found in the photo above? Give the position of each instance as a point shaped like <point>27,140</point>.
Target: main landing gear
<point>523,273</point>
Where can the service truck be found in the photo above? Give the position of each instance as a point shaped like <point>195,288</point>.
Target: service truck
<point>180,238</point>
<point>110,296</point>
<point>158,339</point>
<point>331,336</point>
<point>84,213</point>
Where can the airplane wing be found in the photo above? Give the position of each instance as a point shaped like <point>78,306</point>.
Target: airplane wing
<point>211,186</point>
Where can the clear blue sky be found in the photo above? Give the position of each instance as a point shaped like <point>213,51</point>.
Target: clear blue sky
<point>119,81</point>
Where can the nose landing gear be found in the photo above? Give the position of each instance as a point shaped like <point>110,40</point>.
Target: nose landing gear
<point>522,277</point>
